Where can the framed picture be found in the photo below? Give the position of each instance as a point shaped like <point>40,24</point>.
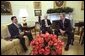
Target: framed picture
<point>59,4</point>
<point>82,5</point>
<point>6,8</point>
<point>37,5</point>
<point>37,12</point>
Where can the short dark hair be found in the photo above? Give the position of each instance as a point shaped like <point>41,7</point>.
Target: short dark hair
<point>13,17</point>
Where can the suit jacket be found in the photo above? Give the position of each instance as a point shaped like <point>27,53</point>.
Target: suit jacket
<point>14,31</point>
<point>43,23</point>
<point>67,25</point>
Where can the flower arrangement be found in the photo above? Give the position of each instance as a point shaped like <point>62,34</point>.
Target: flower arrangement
<point>46,44</point>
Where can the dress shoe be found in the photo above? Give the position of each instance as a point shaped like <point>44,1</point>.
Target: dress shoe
<point>66,48</point>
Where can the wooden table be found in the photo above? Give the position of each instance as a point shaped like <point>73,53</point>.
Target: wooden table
<point>79,25</point>
<point>28,28</point>
<point>25,28</point>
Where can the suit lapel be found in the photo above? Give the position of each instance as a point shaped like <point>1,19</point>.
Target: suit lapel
<point>65,22</point>
<point>15,27</point>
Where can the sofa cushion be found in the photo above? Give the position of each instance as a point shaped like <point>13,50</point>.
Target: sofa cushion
<point>4,31</point>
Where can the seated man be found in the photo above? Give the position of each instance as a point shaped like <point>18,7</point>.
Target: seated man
<point>27,32</point>
<point>65,27</point>
<point>45,25</point>
<point>15,30</point>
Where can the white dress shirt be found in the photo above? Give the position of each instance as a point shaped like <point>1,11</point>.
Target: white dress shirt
<point>46,24</point>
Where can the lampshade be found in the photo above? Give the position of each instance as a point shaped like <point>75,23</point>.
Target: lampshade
<point>23,13</point>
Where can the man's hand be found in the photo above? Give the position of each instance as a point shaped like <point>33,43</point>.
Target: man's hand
<point>20,36</point>
<point>62,32</point>
<point>22,33</point>
<point>24,36</point>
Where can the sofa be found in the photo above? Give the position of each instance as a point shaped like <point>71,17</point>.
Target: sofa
<point>10,47</point>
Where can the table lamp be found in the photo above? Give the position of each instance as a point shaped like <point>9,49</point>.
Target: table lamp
<point>23,14</point>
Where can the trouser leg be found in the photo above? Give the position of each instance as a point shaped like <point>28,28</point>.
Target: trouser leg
<point>70,36</point>
<point>56,32</point>
<point>22,41</point>
<point>30,37</point>
<point>43,30</point>
<point>49,30</point>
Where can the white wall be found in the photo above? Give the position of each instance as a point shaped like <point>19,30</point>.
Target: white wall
<point>78,14</point>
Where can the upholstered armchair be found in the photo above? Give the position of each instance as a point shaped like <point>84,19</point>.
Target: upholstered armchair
<point>10,47</point>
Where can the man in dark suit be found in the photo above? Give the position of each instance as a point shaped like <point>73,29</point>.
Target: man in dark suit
<point>65,27</point>
<point>45,25</point>
<point>15,30</point>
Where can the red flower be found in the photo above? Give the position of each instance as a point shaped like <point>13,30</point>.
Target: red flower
<point>46,53</point>
<point>47,44</point>
<point>41,51</point>
<point>59,51</point>
<point>37,47</point>
<point>32,43</point>
<point>41,45</point>
<point>59,40</point>
<point>47,47</point>
<point>33,47</point>
<point>58,46</point>
<point>47,50</point>
<point>55,44</point>
<point>53,53</point>
<point>53,38</point>
<point>50,43</point>
<point>62,42</point>
<point>34,52</point>
<point>36,42</point>
<point>40,40</point>
<point>42,35</point>
<point>47,34</point>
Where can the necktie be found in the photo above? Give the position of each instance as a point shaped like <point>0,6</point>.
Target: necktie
<point>18,28</point>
